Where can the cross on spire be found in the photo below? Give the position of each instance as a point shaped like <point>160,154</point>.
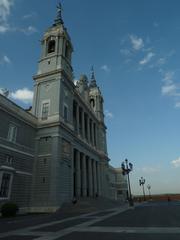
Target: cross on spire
<point>59,19</point>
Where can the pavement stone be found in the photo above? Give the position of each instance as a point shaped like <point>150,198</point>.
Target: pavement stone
<point>149,221</point>
<point>55,229</point>
<point>151,216</point>
<point>19,237</point>
<point>63,225</point>
<point>118,236</point>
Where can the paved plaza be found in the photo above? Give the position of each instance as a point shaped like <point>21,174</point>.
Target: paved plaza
<point>150,221</point>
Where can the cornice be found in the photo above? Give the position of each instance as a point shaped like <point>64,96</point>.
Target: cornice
<point>17,112</point>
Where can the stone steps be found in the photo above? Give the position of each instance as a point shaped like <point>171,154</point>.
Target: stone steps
<point>84,205</point>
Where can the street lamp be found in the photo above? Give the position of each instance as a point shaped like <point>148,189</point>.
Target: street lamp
<point>149,189</point>
<point>126,169</point>
<point>142,182</point>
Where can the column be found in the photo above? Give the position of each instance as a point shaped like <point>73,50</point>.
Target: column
<point>95,135</point>
<point>77,118</point>
<point>78,174</point>
<point>93,142</point>
<point>90,177</point>
<point>84,177</point>
<point>83,130</point>
<point>90,131</point>
<point>80,121</point>
<point>95,177</point>
<point>88,128</point>
<point>99,178</point>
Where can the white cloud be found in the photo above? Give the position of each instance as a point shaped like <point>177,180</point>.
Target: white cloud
<point>29,30</point>
<point>4,29</point>
<point>109,114</point>
<point>24,95</point>
<point>75,82</point>
<point>5,6</point>
<point>161,61</point>
<point>176,163</point>
<point>177,105</point>
<point>169,90</point>
<point>5,10</point>
<point>158,64</point>
<point>147,58</point>
<point>105,68</point>
<point>137,43</point>
<point>4,92</point>
<point>168,77</point>
<point>5,60</point>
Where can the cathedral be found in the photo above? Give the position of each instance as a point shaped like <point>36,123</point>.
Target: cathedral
<point>56,151</point>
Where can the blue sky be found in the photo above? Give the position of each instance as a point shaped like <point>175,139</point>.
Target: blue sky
<point>134,47</point>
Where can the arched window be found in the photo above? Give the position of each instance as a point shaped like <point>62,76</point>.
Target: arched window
<point>67,51</point>
<point>51,46</point>
<point>92,103</point>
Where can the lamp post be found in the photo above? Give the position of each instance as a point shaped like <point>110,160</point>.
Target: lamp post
<point>149,189</point>
<point>142,182</point>
<point>126,169</point>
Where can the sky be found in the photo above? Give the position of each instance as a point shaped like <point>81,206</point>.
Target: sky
<point>134,47</point>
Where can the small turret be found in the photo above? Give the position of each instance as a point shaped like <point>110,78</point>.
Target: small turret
<point>93,79</point>
<point>96,98</point>
<point>82,87</point>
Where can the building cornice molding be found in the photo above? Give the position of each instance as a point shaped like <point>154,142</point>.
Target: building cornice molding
<point>75,137</point>
<point>50,73</point>
<point>16,150</point>
<point>16,111</point>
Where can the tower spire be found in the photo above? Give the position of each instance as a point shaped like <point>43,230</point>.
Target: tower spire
<point>92,73</point>
<point>93,79</point>
<point>58,19</point>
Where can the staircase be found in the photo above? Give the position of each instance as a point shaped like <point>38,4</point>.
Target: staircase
<point>86,205</point>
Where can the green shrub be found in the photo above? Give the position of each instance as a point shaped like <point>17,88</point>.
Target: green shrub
<point>9,209</point>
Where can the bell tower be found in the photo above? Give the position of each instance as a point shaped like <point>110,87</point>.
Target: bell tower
<point>53,97</point>
<point>54,67</point>
<point>56,48</point>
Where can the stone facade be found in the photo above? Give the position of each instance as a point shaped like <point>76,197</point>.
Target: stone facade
<point>117,184</point>
<point>17,135</point>
<point>57,151</point>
